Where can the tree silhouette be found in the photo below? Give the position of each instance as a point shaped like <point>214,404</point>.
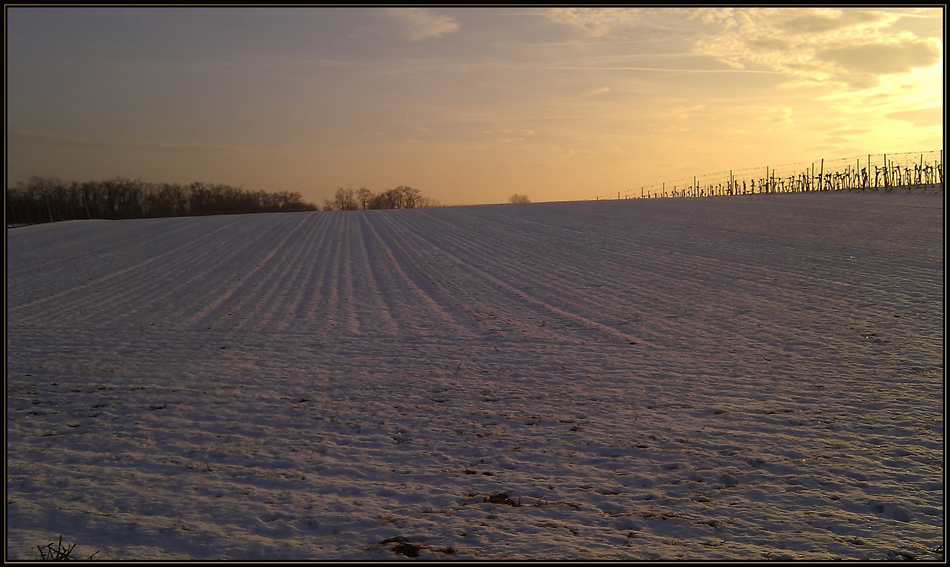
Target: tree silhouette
<point>49,200</point>
<point>401,197</point>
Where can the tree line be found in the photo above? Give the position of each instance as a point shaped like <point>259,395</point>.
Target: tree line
<point>44,199</point>
<point>362,199</point>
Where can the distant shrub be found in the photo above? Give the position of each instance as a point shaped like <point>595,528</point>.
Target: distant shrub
<point>517,199</point>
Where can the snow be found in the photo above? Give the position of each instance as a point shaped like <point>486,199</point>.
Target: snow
<point>732,378</point>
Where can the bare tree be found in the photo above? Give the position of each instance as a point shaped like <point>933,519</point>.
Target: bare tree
<point>410,196</point>
<point>517,199</point>
<point>363,198</point>
<point>344,200</point>
<point>401,197</point>
<point>428,202</point>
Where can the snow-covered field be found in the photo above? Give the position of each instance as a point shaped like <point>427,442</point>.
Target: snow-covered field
<point>728,378</point>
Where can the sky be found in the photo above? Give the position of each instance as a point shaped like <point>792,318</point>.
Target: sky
<point>468,105</point>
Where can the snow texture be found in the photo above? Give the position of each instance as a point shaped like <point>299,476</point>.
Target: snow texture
<point>733,378</point>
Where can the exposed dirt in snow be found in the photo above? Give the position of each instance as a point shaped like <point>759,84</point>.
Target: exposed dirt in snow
<point>753,377</point>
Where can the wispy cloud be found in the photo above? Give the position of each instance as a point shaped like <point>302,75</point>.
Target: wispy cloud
<point>617,23</point>
<point>851,48</point>
<point>921,117</point>
<point>572,152</point>
<point>418,24</point>
<point>860,64</point>
<point>596,92</point>
<point>850,132</point>
<point>725,18</point>
<point>820,20</point>
<point>685,112</point>
<point>595,22</point>
<point>782,116</point>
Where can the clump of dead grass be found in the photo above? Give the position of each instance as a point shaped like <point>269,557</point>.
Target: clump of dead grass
<point>58,553</point>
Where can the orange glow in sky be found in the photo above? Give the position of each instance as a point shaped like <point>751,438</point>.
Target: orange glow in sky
<point>468,105</point>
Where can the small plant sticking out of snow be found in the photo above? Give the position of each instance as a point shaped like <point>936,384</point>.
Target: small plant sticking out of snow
<point>58,553</point>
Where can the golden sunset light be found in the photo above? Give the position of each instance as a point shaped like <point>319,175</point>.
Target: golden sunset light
<point>469,105</point>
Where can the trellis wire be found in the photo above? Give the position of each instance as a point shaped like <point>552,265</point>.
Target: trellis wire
<point>870,172</point>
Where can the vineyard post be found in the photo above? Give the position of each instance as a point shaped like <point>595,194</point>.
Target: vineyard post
<point>885,172</point>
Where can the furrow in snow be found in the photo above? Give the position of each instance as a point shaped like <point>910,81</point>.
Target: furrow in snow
<point>218,301</point>
<point>418,294</point>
